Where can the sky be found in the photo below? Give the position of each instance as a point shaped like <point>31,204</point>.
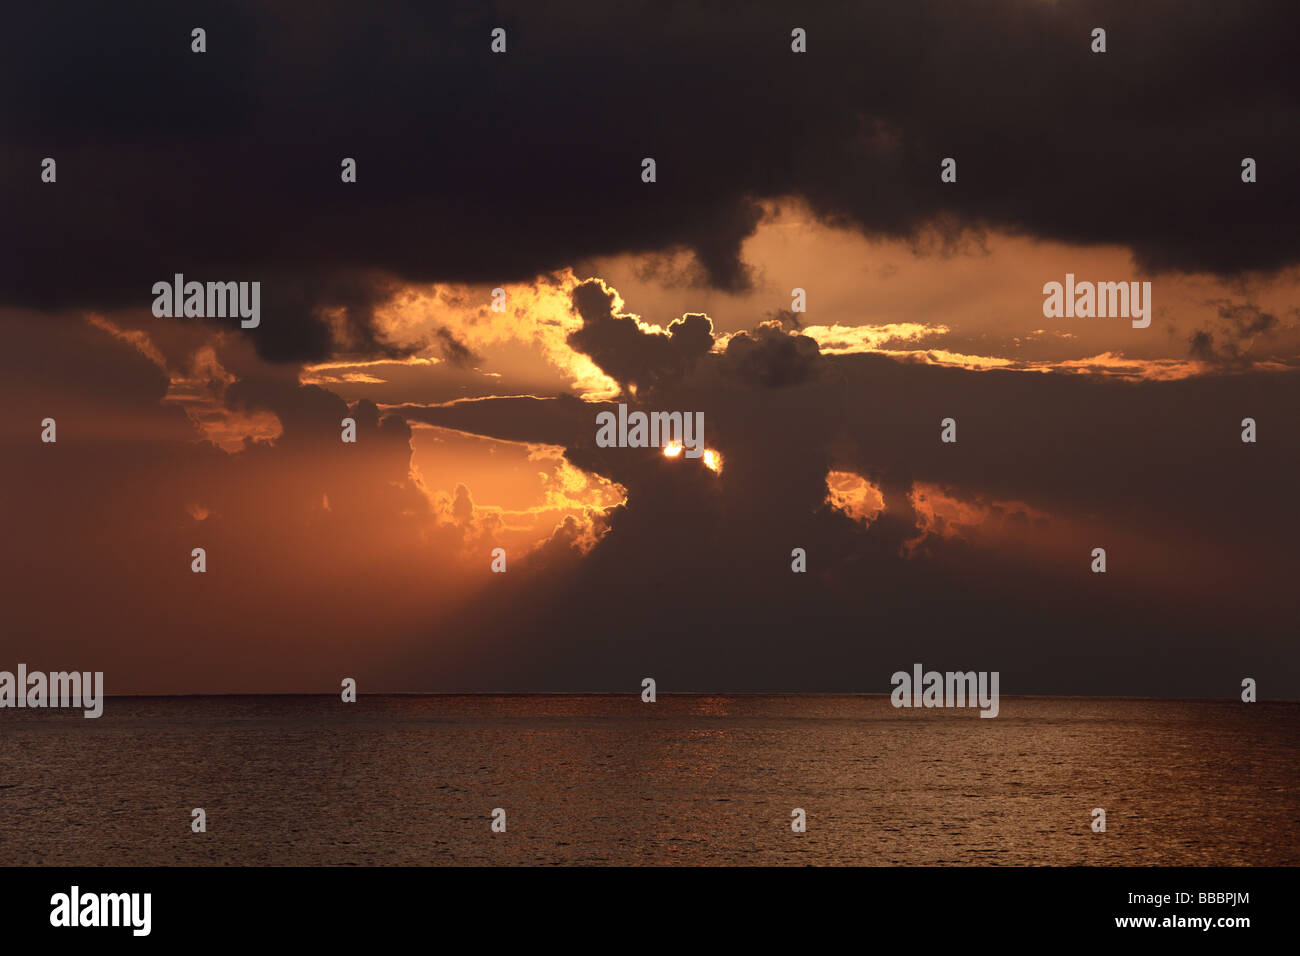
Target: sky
<point>775,171</point>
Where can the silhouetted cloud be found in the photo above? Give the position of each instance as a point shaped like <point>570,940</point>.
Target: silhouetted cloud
<point>624,350</point>
<point>695,575</point>
<point>477,167</point>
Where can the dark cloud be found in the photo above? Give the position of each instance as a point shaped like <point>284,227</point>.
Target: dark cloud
<point>772,358</point>
<point>1201,346</point>
<point>455,351</point>
<point>626,352</point>
<point>322,549</point>
<point>694,577</point>
<point>1248,318</point>
<point>1239,339</point>
<point>786,319</point>
<point>477,167</point>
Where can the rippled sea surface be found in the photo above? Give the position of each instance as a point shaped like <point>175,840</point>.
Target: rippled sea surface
<point>687,780</point>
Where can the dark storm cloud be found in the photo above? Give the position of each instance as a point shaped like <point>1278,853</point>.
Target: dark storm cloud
<point>475,167</point>
<point>693,583</point>
<point>629,354</point>
<point>478,168</point>
<point>770,357</point>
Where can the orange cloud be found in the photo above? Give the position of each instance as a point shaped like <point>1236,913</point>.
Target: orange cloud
<point>854,495</point>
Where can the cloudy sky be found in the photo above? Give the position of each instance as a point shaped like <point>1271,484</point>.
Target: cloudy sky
<point>775,170</point>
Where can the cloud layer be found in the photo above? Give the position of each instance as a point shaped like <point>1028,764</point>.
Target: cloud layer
<point>474,167</point>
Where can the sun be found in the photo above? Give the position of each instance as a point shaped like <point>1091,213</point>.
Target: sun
<point>712,459</point>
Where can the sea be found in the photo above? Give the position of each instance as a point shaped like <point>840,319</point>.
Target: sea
<point>688,780</point>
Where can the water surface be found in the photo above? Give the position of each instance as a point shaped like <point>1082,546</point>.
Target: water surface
<point>413,780</point>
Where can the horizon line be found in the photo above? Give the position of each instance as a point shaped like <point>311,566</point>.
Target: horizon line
<point>636,694</point>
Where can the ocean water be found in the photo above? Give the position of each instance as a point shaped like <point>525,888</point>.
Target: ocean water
<point>689,780</point>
